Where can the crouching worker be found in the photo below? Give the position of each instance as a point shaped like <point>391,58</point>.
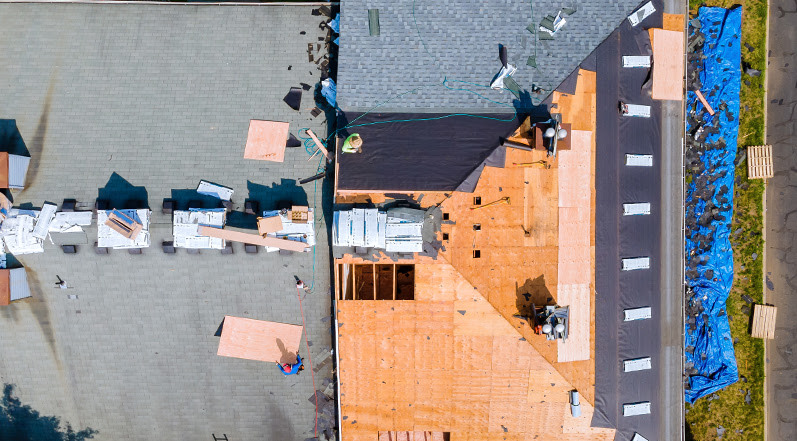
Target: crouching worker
<point>292,369</point>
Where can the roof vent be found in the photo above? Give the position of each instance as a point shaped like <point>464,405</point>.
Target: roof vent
<point>373,22</point>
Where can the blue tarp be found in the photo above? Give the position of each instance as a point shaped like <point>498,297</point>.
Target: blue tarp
<point>708,341</point>
<point>329,91</point>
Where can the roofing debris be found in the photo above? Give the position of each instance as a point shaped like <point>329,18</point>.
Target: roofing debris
<point>710,159</point>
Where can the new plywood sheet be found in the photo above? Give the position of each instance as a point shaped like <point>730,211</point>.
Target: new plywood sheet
<point>266,140</point>
<point>577,345</point>
<point>259,340</point>
<point>668,64</point>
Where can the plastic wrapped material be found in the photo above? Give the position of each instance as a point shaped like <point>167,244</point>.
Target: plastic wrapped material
<point>329,91</point>
<point>709,205</point>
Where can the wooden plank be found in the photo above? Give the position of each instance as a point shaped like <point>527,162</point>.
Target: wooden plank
<point>395,282</point>
<point>354,282</point>
<point>319,145</point>
<point>373,272</point>
<point>705,103</point>
<point>254,239</point>
<point>267,225</point>
<point>3,169</point>
<point>668,65</point>
<point>5,287</point>
<point>259,340</point>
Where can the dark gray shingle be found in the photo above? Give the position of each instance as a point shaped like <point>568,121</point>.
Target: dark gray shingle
<point>461,44</point>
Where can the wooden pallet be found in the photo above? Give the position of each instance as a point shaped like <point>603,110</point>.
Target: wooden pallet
<point>759,162</point>
<point>764,321</point>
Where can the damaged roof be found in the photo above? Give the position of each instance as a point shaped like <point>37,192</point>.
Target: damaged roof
<point>421,43</point>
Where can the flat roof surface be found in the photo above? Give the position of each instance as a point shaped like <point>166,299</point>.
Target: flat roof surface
<point>458,40</point>
<point>162,96</point>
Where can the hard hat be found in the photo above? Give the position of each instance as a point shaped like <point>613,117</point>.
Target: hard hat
<point>355,141</point>
<point>562,134</point>
<point>560,327</point>
<point>549,132</point>
<point>546,328</point>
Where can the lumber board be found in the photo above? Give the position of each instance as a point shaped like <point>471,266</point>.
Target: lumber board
<point>319,145</point>
<point>705,103</point>
<point>254,239</point>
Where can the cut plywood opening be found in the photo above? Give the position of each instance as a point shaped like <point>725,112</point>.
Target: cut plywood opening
<point>369,281</point>
<point>764,321</point>
<point>668,65</point>
<point>364,282</point>
<point>259,340</point>
<point>384,282</point>
<point>759,162</point>
<point>405,282</point>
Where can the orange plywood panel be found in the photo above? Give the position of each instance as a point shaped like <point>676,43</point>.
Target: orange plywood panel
<point>668,65</point>
<point>673,22</point>
<point>259,340</point>
<point>577,346</point>
<point>3,169</point>
<point>5,287</point>
<point>266,140</point>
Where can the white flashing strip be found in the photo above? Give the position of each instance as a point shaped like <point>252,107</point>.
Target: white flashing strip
<point>638,110</point>
<point>636,263</point>
<point>636,61</point>
<point>637,314</point>
<point>638,437</point>
<point>639,160</point>
<point>637,364</point>
<point>640,208</point>
<point>641,13</point>
<point>634,409</point>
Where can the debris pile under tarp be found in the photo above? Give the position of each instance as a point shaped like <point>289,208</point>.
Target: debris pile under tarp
<point>714,69</point>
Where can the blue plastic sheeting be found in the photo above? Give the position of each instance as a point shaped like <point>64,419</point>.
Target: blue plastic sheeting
<point>711,279</point>
<point>329,91</point>
<point>334,24</point>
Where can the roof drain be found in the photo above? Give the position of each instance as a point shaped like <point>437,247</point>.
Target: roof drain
<point>373,22</point>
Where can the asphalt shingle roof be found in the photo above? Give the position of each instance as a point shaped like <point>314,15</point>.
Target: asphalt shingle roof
<point>421,42</point>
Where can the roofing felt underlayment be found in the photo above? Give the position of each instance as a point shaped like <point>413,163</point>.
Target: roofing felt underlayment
<point>458,40</point>
<point>636,236</point>
<point>401,155</point>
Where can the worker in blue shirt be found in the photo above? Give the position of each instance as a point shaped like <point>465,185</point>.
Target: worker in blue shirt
<point>292,369</point>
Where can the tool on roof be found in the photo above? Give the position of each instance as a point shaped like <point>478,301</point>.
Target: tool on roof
<point>542,163</point>
<point>501,201</point>
<point>551,321</point>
